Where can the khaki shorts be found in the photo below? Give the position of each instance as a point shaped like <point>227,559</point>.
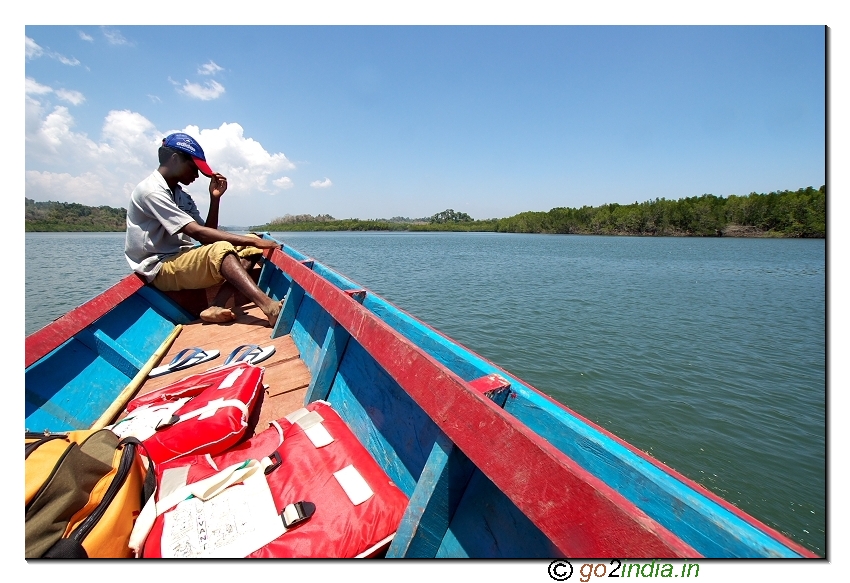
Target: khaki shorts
<point>200,267</point>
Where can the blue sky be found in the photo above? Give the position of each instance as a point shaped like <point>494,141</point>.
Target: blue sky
<point>381,121</point>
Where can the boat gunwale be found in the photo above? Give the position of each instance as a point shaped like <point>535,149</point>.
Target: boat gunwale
<point>42,342</point>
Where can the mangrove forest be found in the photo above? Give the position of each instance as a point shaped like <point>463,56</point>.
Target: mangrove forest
<point>70,216</point>
<point>786,213</point>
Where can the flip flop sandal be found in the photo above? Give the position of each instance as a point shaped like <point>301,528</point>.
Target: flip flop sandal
<point>184,359</point>
<point>253,355</point>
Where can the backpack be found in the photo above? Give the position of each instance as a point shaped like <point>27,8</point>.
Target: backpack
<point>83,492</point>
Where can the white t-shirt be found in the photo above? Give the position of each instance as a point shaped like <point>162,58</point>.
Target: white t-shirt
<point>154,217</point>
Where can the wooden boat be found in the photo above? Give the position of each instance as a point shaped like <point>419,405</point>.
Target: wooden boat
<point>491,466</point>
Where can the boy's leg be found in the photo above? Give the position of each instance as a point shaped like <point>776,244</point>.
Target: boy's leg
<point>235,274</point>
<point>209,265</point>
<point>217,312</point>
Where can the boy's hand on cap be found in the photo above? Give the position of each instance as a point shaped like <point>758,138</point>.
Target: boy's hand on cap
<point>218,185</point>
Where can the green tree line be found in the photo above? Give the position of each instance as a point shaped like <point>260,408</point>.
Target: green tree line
<point>71,216</point>
<point>787,213</point>
<point>447,220</point>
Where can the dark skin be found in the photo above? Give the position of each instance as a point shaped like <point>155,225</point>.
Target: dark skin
<point>182,170</point>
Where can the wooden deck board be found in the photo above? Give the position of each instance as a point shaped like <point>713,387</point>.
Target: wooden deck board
<point>285,374</point>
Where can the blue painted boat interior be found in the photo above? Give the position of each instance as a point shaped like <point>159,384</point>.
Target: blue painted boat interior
<point>73,385</point>
<point>462,513</point>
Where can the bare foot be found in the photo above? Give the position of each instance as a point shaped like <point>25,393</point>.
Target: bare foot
<point>216,314</point>
<point>273,311</point>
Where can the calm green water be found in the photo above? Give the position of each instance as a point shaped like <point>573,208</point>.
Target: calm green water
<point>707,353</point>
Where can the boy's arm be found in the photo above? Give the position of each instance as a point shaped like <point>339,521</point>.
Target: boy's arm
<point>218,184</point>
<point>207,235</point>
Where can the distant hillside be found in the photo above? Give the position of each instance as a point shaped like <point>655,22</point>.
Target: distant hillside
<point>448,220</point>
<point>70,216</point>
<point>786,213</point>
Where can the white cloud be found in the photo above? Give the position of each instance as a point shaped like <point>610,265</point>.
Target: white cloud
<point>65,60</point>
<point>74,97</point>
<point>284,183</point>
<point>57,124</point>
<point>68,165</point>
<point>132,138</point>
<point>33,87</point>
<point>247,165</point>
<point>88,188</point>
<point>85,37</point>
<point>154,98</point>
<point>51,141</point>
<point>33,117</point>
<point>321,183</point>
<point>211,90</point>
<point>209,69</point>
<point>114,37</point>
<point>33,51</point>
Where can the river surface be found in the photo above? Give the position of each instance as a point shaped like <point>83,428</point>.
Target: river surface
<point>707,353</point>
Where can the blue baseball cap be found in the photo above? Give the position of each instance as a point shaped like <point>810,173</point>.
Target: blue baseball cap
<point>186,143</point>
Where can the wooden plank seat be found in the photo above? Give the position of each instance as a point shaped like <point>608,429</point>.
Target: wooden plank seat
<point>285,374</point>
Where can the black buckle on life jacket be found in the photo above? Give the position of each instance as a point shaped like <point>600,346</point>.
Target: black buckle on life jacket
<point>276,461</point>
<point>295,514</point>
<point>166,424</point>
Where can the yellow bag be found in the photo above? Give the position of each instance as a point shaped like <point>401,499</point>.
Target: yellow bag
<point>84,490</point>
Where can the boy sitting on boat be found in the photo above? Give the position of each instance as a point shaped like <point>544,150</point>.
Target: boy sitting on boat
<point>161,218</point>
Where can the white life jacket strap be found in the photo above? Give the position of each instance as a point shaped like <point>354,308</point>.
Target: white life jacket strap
<point>296,415</point>
<point>172,479</point>
<point>210,461</point>
<point>211,408</point>
<point>311,423</point>
<point>296,513</point>
<point>271,462</point>
<point>209,487</point>
<point>174,490</point>
<point>143,422</point>
<point>319,435</point>
<point>143,525</point>
<point>231,378</point>
<point>375,547</point>
<point>354,485</point>
<point>279,429</point>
